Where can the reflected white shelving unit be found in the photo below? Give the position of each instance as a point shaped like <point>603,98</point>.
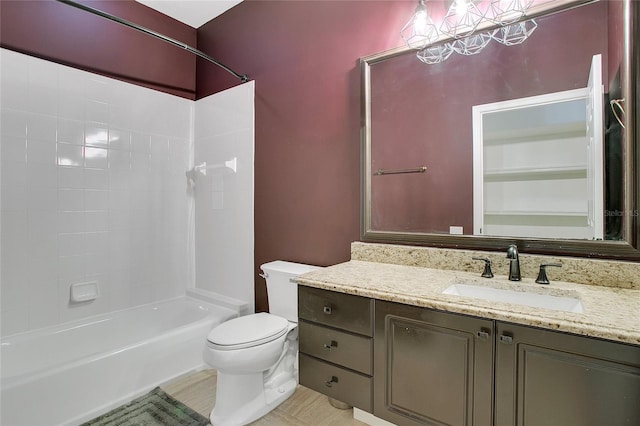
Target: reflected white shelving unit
<point>538,164</point>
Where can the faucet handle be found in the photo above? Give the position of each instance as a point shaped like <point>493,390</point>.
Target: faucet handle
<point>487,267</point>
<point>542,274</point>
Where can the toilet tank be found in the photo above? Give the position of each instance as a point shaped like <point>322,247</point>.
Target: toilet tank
<point>282,292</point>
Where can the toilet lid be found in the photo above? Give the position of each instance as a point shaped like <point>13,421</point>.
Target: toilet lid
<point>247,331</point>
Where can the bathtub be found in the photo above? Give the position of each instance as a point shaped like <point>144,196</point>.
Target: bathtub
<point>72,372</point>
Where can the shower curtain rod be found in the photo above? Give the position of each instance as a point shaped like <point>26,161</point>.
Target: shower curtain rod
<point>243,77</point>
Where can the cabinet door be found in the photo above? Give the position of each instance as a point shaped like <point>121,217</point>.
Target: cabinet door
<point>432,368</point>
<point>551,378</point>
<point>537,164</point>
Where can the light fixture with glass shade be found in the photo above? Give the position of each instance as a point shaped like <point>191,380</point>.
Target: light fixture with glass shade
<point>462,19</point>
<point>460,23</point>
<point>419,31</point>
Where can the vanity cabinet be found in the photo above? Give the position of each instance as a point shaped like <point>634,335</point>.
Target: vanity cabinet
<point>336,345</point>
<point>431,367</point>
<point>438,368</point>
<point>544,377</point>
<point>418,366</point>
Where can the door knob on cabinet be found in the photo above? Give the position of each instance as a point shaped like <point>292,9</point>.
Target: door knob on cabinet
<point>327,310</point>
<point>330,383</point>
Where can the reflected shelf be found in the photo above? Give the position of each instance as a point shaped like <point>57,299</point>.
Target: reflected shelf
<point>556,131</point>
<point>535,213</point>
<point>536,173</point>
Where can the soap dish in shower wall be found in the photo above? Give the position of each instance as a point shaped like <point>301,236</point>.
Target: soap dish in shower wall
<point>84,292</point>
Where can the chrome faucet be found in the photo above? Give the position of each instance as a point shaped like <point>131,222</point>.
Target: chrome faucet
<point>514,263</point>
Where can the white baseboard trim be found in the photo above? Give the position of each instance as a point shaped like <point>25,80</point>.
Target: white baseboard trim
<point>369,418</point>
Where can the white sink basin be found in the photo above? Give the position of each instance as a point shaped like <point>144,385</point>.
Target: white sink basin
<point>545,301</point>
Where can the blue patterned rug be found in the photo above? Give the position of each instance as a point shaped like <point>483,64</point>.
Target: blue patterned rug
<point>153,409</point>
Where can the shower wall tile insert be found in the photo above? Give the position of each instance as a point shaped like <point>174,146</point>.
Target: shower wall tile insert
<point>93,189</point>
<point>224,245</point>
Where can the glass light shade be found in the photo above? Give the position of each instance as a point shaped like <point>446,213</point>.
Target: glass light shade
<point>473,44</point>
<point>419,31</point>
<point>435,54</point>
<point>515,33</point>
<point>461,19</point>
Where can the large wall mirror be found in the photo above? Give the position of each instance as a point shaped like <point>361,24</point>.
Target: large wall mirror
<point>534,144</point>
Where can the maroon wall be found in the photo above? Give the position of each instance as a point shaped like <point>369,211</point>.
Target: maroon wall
<point>422,114</point>
<point>303,56</point>
<point>64,34</point>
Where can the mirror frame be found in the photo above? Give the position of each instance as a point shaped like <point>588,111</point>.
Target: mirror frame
<point>626,249</point>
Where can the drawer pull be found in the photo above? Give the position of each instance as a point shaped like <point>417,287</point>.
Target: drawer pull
<point>327,310</point>
<point>483,334</point>
<point>330,346</point>
<point>507,340</point>
<point>330,383</point>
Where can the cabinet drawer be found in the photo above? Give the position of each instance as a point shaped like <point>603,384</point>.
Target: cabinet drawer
<point>338,383</point>
<point>345,311</point>
<point>349,350</point>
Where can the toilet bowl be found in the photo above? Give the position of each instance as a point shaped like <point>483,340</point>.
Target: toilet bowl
<point>256,355</point>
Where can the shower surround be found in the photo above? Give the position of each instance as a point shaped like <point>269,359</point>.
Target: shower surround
<point>94,190</point>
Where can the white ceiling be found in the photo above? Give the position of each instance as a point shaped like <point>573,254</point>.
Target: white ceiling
<point>194,13</point>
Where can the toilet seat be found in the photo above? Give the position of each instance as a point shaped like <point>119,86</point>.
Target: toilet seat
<point>247,331</point>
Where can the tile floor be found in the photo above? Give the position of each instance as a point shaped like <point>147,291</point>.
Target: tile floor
<point>304,408</point>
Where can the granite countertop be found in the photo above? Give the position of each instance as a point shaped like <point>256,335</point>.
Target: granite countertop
<point>609,313</point>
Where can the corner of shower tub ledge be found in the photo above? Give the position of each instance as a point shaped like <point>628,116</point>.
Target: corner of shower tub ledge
<point>236,305</point>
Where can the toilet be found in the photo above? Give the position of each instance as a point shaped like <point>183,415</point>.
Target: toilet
<point>256,355</point>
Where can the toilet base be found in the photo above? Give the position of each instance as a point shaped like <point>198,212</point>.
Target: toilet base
<point>260,398</point>
<point>243,398</point>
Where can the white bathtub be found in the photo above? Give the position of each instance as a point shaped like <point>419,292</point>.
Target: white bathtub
<point>70,373</point>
